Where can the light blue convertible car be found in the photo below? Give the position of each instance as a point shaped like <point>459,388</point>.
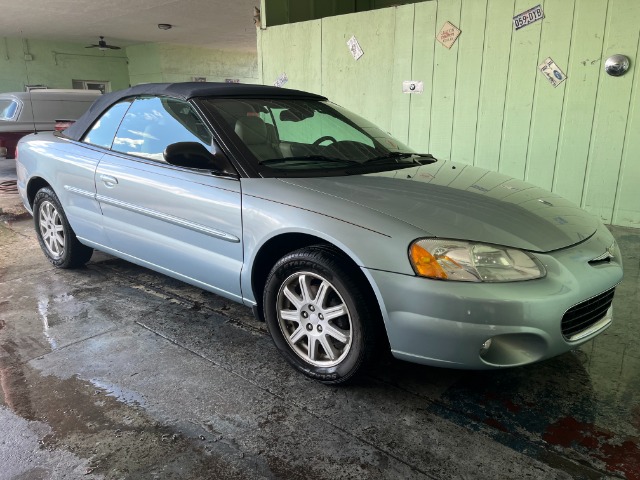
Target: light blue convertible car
<point>343,240</point>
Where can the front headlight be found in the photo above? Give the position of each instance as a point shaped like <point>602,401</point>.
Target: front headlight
<point>472,262</point>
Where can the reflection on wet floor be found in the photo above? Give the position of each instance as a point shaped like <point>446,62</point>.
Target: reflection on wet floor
<point>146,377</point>
<point>118,439</point>
<point>553,406</point>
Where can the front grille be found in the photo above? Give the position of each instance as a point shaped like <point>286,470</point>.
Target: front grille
<point>586,314</point>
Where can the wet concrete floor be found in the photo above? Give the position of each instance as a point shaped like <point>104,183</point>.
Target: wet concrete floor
<point>113,371</point>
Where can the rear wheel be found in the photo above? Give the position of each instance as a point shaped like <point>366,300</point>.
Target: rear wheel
<point>320,318</point>
<point>57,240</point>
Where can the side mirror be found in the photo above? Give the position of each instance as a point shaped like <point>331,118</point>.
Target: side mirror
<point>191,155</point>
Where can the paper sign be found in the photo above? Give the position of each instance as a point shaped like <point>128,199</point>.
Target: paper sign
<point>448,34</point>
<point>282,79</point>
<point>355,48</point>
<point>552,71</point>
<point>527,18</point>
<point>412,86</point>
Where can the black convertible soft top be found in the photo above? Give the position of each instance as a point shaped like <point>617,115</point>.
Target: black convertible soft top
<point>182,91</point>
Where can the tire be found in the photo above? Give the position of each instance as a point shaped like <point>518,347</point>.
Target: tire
<point>322,321</point>
<point>57,239</point>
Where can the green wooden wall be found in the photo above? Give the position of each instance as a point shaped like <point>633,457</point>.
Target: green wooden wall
<point>485,101</point>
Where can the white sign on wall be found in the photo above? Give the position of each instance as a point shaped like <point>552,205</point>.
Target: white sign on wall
<point>355,48</point>
<point>412,86</point>
<point>282,79</point>
<point>448,34</point>
<point>552,71</point>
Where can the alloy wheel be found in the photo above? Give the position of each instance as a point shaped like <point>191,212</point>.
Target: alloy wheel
<point>314,319</point>
<point>51,229</point>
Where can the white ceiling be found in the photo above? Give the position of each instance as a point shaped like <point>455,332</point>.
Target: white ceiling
<point>206,23</point>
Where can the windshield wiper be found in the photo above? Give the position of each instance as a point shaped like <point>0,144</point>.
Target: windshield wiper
<point>390,156</point>
<point>400,155</point>
<point>312,158</point>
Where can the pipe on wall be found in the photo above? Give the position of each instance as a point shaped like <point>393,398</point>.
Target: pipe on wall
<point>58,54</point>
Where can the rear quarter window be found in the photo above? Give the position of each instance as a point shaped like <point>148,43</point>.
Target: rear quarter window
<point>8,109</point>
<point>103,131</point>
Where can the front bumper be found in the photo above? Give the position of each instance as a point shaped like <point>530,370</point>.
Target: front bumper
<point>447,323</point>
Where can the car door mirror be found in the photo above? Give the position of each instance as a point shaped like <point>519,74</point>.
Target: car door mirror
<point>192,155</point>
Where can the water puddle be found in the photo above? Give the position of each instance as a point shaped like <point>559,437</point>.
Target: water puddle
<point>43,310</point>
<point>94,420</point>
<point>122,394</point>
<point>105,425</point>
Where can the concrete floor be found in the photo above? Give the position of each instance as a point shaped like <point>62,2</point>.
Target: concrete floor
<point>113,371</point>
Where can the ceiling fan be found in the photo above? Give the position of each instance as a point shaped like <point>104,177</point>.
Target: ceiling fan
<point>102,45</point>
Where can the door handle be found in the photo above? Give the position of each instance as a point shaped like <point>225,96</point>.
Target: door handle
<point>109,181</point>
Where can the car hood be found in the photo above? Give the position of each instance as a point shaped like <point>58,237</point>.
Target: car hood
<point>457,201</point>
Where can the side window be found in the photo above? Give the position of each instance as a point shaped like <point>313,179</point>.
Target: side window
<point>153,123</point>
<point>103,131</point>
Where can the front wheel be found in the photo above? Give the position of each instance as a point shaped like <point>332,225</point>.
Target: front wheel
<point>56,238</point>
<point>319,316</point>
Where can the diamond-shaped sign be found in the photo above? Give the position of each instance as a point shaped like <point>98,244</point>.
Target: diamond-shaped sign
<point>448,34</point>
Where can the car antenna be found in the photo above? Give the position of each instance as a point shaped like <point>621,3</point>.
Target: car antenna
<point>26,71</point>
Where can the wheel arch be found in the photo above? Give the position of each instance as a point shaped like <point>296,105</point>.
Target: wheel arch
<point>280,245</point>
<point>269,253</point>
<point>34,185</point>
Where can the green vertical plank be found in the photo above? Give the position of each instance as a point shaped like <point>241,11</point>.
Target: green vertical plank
<point>422,70</point>
<point>402,53</point>
<point>523,70</point>
<point>467,94</point>
<point>548,101</point>
<point>626,211</point>
<point>612,111</point>
<point>444,82</point>
<point>580,96</point>
<point>363,85</point>
<point>293,49</point>
<point>493,82</point>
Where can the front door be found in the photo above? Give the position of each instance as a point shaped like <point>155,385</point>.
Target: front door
<point>180,221</point>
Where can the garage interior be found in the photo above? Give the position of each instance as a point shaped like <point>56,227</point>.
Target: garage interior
<point>118,372</point>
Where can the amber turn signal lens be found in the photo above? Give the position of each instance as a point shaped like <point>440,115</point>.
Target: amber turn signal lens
<point>425,264</point>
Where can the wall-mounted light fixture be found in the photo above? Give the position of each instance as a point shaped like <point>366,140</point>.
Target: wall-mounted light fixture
<point>165,26</point>
<point>616,65</point>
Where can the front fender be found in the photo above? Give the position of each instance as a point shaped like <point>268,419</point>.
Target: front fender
<point>265,220</point>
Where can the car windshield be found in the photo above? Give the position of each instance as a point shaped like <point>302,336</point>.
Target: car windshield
<point>8,109</point>
<point>301,136</point>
